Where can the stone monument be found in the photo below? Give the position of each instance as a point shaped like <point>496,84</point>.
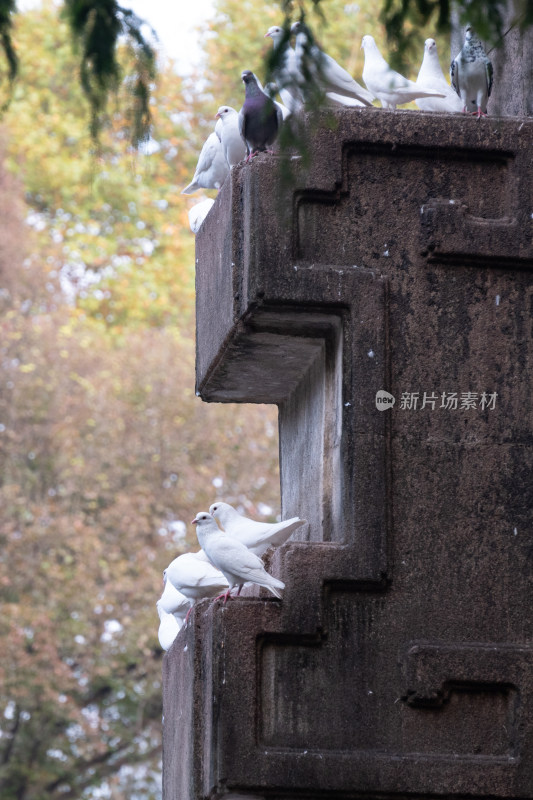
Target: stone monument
<point>384,302</point>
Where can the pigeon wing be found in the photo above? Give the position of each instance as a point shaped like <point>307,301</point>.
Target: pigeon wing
<point>242,114</point>
<point>262,578</point>
<point>211,169</point>
<point>279,533</point>
<point>339,80</point>
<point>454,75</point>
<point>232,555</point>
<point>490,77</point>
<point>173,601</point>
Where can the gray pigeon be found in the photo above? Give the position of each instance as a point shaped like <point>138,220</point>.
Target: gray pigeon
<point>259,118</point>
<point>471,73</point>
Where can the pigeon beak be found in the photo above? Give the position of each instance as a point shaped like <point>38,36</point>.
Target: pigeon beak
<point>194,522</point>
<point>217,115</point>
<point>266,36</point>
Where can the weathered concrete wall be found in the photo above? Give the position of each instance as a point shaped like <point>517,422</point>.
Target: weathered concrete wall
<point>400,661</point>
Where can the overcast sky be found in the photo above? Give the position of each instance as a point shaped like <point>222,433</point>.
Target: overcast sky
<point>174,22</point>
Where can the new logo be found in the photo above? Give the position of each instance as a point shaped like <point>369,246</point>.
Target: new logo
<point>384,400</point>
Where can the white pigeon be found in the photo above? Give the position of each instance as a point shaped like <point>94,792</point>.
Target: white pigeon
<point>387,84</point>
<point>289,79</point>
<point>325,70</point>
<point>173,601</point>
<point>238,564</point>
<point>232,144</point>
<point>256,536</point>
<point>198,213</point>
<point>195,577</point>
<point>212,168</point>
<point>471,73</point>
<point>169,627</point>
<point>286,75</point>
<point>432,77</point>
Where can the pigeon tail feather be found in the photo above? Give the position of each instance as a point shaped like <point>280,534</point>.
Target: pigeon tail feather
<point>192,187</point>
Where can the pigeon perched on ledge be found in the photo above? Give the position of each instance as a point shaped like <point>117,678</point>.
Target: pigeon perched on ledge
<point>212,168</point>
<point>325,71</point>
<point>285,74</point>
<point>195,577</point>
<point>432,77</point>
<point>232,143</point>
<point>238,564</point>
<point>471,73</point>
<point>259,118</point>
<point>256,536</point>
<point>385,83</point>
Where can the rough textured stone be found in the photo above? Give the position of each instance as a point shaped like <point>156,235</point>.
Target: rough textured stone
<point>399,662</point>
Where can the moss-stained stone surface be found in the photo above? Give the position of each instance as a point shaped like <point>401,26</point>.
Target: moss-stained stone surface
<point>400,661</point>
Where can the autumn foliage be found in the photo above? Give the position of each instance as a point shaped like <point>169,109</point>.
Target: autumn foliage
<point>106,453</point>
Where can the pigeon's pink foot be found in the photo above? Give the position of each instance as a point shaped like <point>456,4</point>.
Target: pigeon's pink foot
<point>226,595</point>
<point>188,614</point>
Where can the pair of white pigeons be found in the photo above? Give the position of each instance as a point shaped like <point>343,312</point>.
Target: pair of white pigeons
<point>306,65</point>
<point>229,558</point>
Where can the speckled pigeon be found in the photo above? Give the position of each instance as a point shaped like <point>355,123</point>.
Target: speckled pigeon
<point>259,118</point>
<point>471,73</point>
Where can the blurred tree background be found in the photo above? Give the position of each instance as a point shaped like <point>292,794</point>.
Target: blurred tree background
<point>105,452</point>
